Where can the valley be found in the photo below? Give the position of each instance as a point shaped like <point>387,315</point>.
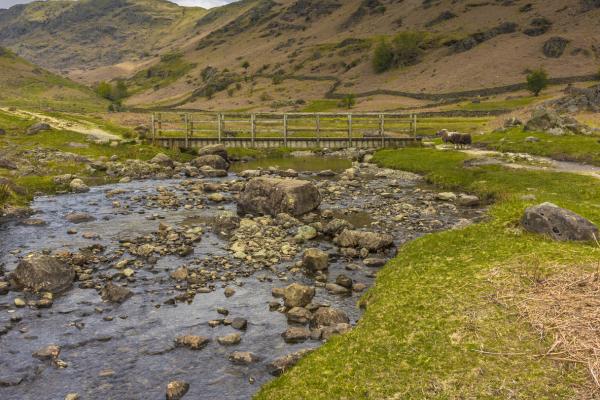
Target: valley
<point>294,199</point>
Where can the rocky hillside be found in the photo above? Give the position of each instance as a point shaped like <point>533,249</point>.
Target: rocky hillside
<point>23,84</point>
<point>295,53</point>
<point>65,35</point>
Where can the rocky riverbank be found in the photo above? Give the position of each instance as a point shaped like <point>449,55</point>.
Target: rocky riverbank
<point>204,284</point>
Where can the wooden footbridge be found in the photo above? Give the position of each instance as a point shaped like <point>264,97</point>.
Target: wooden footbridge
<point>294,130</point>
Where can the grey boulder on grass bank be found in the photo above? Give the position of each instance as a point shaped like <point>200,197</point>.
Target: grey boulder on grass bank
<point>39,272</point>
<point>558,223</point>
<point>272,196</point>
<point>37,128</point>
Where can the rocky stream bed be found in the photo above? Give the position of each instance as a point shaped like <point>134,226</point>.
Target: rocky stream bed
<point>176,293</point>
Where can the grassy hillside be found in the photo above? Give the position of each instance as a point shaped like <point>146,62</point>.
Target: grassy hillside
<point>287,54</point>
<point>319,48</point>
<point>74,35</point>
<point>23,84</point>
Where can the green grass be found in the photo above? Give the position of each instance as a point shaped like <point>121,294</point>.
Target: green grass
<point>506,104</point>
<point>321,106</point>
<point>578,148</point>
<point>432,311</point>
<point>22,84</point>
<point>430,126</point>
<point>16,140</point>
<point>162,74</point>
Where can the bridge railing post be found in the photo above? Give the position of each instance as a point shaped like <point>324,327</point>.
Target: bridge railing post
<point>253,127</point>
<point>318,122</point>
<point>153,129</point>
<point>349,130</point>
<point>219,126</point>
<point>285,130</point>
<point>159,124</point>
<point>415,125</point>
<point>382,129</point>
<point>187,130</point>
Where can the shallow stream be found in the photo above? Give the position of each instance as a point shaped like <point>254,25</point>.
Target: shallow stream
<point>127,351</point>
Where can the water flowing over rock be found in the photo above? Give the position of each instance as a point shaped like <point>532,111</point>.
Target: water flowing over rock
<point>558,223</point>
<point>40,272</point>
<point>273,196</point>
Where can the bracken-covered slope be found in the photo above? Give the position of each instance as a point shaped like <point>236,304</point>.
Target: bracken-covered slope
<point>258,54</point>
<point>23,84</point>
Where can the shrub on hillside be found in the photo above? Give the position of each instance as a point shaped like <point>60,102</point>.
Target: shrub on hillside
<point>348,102</point>
<point>537,81</point>
<point>405,49</point>
<point>115,93</point>
<point>383,58</point>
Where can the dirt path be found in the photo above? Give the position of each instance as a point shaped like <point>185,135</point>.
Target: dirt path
<point>85,128</point>
<point>531,162</point>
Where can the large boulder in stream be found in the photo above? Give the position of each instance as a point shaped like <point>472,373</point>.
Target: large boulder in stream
<point>214,150</point>
<point>163,160</point>
<point>211,160</point>
<point>40,272</point>
<point>371,241</point>
<point>272,196</point>
<point>558,223</point>
<point>297,295</point>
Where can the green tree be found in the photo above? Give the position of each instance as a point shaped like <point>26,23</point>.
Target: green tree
<point>119,91</point>
<point>407,48</point>
<point>383,58</point>
<point>537,81</point>
<point>348,102</point>
<point>246,65</point>
<point>104,89</point>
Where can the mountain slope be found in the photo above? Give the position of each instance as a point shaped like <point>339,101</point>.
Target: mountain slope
<point>23,84</point>
<point>267,54</point>
<point>464,46</point>
<point>62,35</point>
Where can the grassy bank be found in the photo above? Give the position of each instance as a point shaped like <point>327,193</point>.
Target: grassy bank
<point>578,148</point>
<point>434,325</point>
<point>38,175</point>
